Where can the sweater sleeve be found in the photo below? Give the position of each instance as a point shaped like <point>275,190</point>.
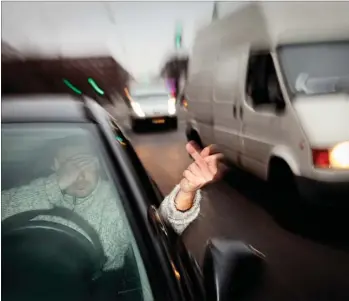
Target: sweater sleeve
<point>177,219</point>
<point>39,194</point>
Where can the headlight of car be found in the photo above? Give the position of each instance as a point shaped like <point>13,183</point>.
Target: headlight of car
<point>339,156</point>
<point>137,109</point>
<point>172,106</point>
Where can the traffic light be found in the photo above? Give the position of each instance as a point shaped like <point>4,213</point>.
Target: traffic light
<point>71,86</point>
<point>95,86</point>
<point>90,81</point>
<point>178,37</point>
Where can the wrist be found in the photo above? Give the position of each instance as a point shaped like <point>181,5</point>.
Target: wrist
<point>184,200</point>
<point>186,193</point>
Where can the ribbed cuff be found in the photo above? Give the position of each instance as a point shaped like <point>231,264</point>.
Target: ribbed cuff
<point>179,220</point>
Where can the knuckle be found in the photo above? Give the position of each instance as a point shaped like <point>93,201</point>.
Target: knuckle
<point>186,173</point>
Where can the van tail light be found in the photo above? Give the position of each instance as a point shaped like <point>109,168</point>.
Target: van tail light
<point>321,158</point>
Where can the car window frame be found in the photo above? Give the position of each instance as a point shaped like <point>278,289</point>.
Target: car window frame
<point>118,132</point>
<point>170,289</point>
<point>191,282</point>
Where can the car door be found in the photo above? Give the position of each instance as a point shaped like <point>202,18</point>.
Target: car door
<point>261,123</point>
<point>186,271</point>
<point>226,104</point>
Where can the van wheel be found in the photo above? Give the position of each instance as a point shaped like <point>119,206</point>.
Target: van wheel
<point>193,135</point>
<point>134,126</point>
<point>174,124</point>
<point>284,192</point>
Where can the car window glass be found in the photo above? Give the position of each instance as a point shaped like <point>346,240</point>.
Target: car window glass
<point>262,86</point>
<point>64,166</point>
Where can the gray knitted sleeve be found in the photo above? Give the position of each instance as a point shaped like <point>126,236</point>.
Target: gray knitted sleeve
<point>177,219</point>
<point>39,194</point>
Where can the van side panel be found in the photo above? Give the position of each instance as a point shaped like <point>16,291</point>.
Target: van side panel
<point>199,92</point>
<point>226,103</point>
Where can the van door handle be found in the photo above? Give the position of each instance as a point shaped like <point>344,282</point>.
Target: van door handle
<point>241,113</point>
<point>234,111</point>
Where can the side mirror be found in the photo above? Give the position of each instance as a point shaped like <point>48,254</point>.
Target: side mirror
<point>232,270</point>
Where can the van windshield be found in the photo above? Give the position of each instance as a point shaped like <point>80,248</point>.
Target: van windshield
<point>316,68</point>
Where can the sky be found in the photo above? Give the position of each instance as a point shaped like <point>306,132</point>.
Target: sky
<point>139,35</point>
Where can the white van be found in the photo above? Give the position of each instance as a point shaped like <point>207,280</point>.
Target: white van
<point>269,84</point>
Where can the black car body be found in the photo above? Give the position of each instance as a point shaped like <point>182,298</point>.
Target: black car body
<point>172,272</point>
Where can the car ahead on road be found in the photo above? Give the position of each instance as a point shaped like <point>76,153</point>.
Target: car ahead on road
<point>151,105</point>
<point>44,260</point>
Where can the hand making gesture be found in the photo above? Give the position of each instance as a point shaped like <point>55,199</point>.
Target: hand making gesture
<point>205,169</point>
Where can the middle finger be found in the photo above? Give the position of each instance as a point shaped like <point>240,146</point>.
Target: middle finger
<point>194,168</point>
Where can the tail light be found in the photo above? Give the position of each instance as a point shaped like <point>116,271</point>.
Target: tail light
<point>321,158</point>
<point>185,103</point>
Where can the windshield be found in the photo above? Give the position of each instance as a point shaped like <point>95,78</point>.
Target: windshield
<point>151,95</point>
<point>316,68</point>
<point>145,95</point>
<point>48,168</point>
<point>149,90</point>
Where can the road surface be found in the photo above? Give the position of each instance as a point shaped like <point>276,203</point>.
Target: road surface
<point>306,251</point>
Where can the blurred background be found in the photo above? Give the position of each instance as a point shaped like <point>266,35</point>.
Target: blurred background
<point>122,53</point>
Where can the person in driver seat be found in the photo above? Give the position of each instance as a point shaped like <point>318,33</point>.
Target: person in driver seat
<point>76,183</point>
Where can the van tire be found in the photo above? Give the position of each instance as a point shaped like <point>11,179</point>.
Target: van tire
<point>193,135</point>
<point>174,124</point>
<point>283,188</point>
<point>134,126</point>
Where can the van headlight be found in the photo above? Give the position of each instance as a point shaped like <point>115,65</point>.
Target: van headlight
<point>339,156</point>
<point>172,106</point>
<point>137,109</point>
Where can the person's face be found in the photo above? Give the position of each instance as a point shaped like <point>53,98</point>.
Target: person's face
<point>88,177</point>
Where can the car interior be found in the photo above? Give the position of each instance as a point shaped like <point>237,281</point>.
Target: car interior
<point>44,260</point>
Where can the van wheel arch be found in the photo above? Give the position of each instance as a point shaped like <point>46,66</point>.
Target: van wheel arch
<point>281,180</point>
<point>194,136</point>
<point>275,163</point>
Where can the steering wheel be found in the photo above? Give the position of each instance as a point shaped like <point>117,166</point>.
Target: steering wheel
<point>43,257</point>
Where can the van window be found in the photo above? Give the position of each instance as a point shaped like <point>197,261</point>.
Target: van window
<point>316,68</point>
<point>262,86</point>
